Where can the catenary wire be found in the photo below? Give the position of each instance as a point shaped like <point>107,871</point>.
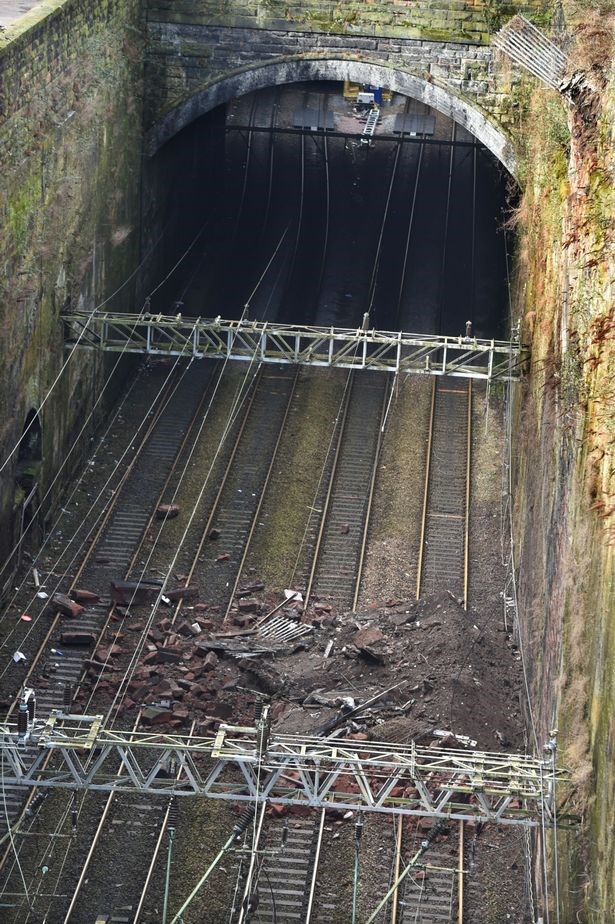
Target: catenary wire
<point>75,346</point>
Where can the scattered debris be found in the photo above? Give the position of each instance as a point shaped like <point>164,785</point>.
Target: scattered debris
<point>84,596</point>
<point>78,638</point>
<point>167,511</point>
<point>66,606</point>
<point>135,592</point>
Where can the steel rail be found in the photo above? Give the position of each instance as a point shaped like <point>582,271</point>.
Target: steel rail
<point>165,397</point>
<point>466,541</point>
<point>90,552</point>
<point>174,617</point>
<point>312,892</point>
<point>176,612</point>
<point>370,497</point>
<point>263,491</point>
<point>95,839</point>
<point>432,414</point>
<point>327,504</point>
<point>323,517</point>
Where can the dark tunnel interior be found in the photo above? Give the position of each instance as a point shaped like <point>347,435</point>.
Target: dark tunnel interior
<point>311,227</point>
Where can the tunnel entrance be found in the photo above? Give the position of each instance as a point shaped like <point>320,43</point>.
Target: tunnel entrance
<point>278,205</point>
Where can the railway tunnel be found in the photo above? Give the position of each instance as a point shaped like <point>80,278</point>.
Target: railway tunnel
<point>409,228</point>
<point>200,160</point>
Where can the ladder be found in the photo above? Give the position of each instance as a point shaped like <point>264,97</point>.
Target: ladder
<point>370,126</point>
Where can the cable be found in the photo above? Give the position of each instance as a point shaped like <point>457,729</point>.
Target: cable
<point>75,345</point>
<point>181,259</point>
<point>65,460</point>
<point>99,517</point>
<point>373,283</point>
<point>10,833</point>
<point>263,274</point>
<point>137,653</point>
<point>358,833</point>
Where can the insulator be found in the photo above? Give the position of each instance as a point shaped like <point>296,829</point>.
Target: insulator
<point>67,697</point>
<point>173,815</point>
<point>22,720</point>
<point>36,803</point>
<point>258,710</point>
<point>31,705</point>
<point>244,821</point>
<point>358,827</point>
<point>285,833</point>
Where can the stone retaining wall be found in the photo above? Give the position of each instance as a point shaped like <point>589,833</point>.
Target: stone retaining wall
<point>70,120</point>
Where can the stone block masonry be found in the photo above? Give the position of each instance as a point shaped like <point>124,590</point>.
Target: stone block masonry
<point>70,117</point>
<point>195,46</point>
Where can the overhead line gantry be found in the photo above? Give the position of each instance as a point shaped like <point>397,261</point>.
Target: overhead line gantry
<point>251,764</point>
<point>264,341</point>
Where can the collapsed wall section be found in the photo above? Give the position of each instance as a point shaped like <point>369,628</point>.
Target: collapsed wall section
<point>70,120</point>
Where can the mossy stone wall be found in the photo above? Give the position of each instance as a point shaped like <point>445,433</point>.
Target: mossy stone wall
<point>192,44</point>
<point>70,139</point>
<point>565,469</point>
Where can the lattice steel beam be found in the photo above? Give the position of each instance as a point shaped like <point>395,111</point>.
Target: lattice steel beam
<point>384,351</point>
<point>244,764</point>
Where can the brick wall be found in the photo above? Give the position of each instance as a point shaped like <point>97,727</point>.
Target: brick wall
<point>70,114</point>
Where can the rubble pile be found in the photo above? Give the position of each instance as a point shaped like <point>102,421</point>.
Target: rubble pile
<point>397,671</point>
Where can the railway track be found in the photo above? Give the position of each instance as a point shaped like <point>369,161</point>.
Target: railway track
<point>443,553</point>
<point>55,672</point>
<point>429,896</point>
<point>238,501</point>
<point>235,505</point>
<point>288,889</point>
<point>291,848</point>
<point>340,544</point>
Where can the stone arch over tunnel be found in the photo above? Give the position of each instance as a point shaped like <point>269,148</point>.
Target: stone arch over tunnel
<point>439,97</point>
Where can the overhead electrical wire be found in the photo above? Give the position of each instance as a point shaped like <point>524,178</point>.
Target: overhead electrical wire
<point>76,345</point>
<point>240,397</point>
<point>121,354</point>
<point>230,421</point>
<point>58,583</point>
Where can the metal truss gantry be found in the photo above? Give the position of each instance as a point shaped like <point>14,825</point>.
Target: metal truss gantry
<point>245,764</point>
<point>262,341</point>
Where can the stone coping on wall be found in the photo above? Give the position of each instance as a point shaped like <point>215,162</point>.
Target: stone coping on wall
<point>24,23</point>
